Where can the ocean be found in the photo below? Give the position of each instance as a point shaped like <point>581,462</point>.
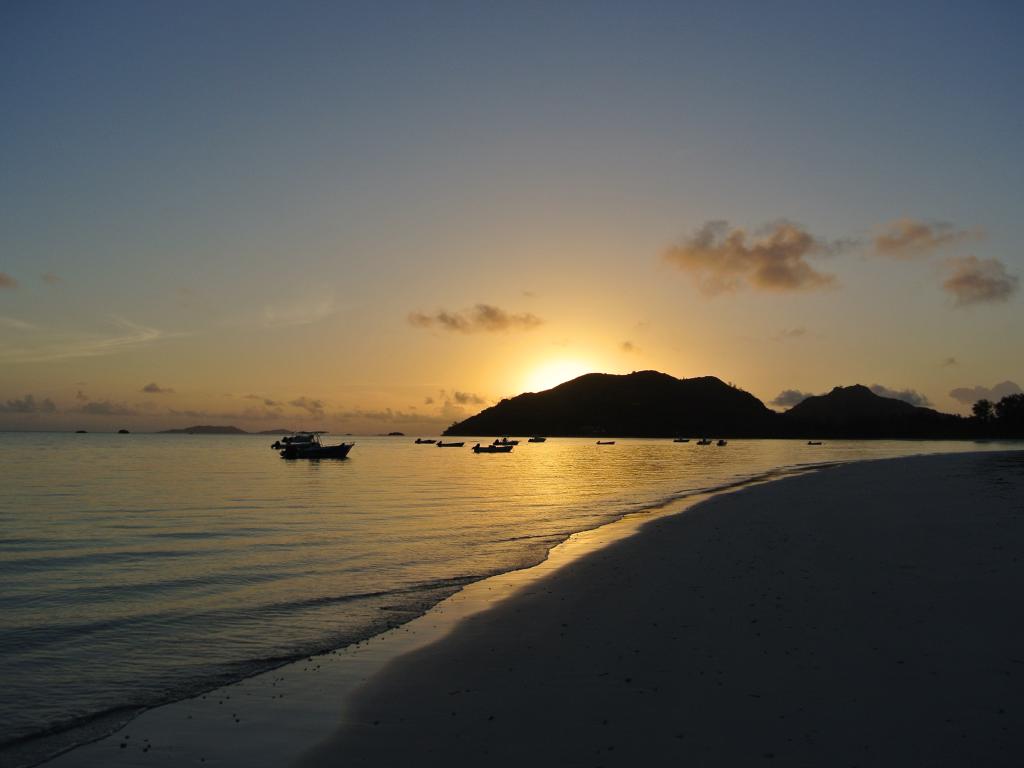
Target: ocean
<point>140,569</point>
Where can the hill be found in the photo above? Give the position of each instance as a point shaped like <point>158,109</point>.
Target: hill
<point>653,404</point>
<point>205,429</point>
<point>639,404</point>
<point>856,411</point>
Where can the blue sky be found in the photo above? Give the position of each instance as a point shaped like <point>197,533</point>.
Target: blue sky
<point>254,184</point>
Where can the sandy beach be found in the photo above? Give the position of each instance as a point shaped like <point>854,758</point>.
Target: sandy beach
<point>865,615</point>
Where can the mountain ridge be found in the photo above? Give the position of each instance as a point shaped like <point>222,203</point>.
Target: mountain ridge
<point>655,404</point>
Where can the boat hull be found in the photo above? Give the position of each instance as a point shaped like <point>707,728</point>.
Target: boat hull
<point>317,451</point>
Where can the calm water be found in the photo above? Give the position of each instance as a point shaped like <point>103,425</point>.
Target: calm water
<point>136,569</point>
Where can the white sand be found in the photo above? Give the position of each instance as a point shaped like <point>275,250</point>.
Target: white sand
<point>865,615</point>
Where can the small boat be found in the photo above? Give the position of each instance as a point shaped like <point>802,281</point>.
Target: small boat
<point>293,439</point>
<point>442,444</point>
<point>606,442</point>
<point>814,442</point>
<point>536,439</point>
<point>720,443</point>
<point>123,432</point>
<point>421,441</point>
<point>81,432</point>
<point>492,448</point>
<point>314,449</point>
<point>703,441</point>
<point>681,440</point>
<point>505,441</point>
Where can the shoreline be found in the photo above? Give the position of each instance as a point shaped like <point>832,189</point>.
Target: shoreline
<point>348,666</point>
<point>277,716</point>
<point>863,616</point>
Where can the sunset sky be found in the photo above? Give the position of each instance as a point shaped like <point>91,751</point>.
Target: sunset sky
<point>384,216</point>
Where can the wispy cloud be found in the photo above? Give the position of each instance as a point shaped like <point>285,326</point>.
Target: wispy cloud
<point>482,317</point>
<point>16,324</point>
<point>313,407</point>
<point>978,281</point>
<point>50,279</point>
<point>949,362</point>
<point>28,404</point>
<point>628,346</point>
<point>790,397</point>
<point>971,395</point>
<point>467,398</point>
<point>911,396</point>
<point>155,389</point>
<point>720,258</point>
<point>788,334</point>
<point>105,408</point>
<point>270,403</point>
<point>300,312</point>
<point>51,346</point>
<point>907,238</point>
<point>6,281</point>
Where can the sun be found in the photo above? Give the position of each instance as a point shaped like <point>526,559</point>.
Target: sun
<point>554,372</point>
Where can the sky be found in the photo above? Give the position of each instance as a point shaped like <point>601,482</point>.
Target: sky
<point>373,217</point>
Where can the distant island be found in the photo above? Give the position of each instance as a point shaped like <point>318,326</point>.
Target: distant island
<point>654,404</point>
<point>207,429</point>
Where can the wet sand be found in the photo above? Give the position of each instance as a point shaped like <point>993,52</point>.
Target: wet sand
<point>865,615</point>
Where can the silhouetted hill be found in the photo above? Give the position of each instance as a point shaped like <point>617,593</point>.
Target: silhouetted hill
<point>858,412</point>
<point>639,404</point>
<point>653,404</point>
<point>205,429</point>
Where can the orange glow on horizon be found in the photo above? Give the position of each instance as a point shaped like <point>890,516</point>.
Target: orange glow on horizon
<point>554,372</point>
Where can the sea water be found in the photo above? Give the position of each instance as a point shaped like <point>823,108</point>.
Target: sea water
<point>140,569</point>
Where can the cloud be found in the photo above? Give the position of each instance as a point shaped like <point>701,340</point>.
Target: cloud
<point>50,279</point>
<point>300,312</point>
<point>971,395</point>
<point>467,398</point>
<point>906,395</point>
<point>155,389</point>
<point>791,333</point>
<point>105,408</point>
<point>790,397</point>
<point>906,238</point>
<point>428,400</point>
<point>6,281</point>
<point>978,281</point>
<point>266,400</point>
<point>721,259</point>
<point>68,346</point>
<point>28,404</point>
<point>314,407</point>
<point>628,346</point>
<point>482,317</point>
<point>949,362</point>
<point>16,324</point>
<point>81,396</point>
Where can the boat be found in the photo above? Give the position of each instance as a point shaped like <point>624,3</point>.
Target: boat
<point>123,432</point>
<point>720,443</point>
<point>536,439</point>
<point>421,441</point>
<point>442,444</point>
<point>703,441</point>
<point>681,440</point>
<point>492,448</point>
<point>505,441</point>
<point>314,449</point>
<point>606,442</point>
<point>293,439</point>
<point>814,442</point>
